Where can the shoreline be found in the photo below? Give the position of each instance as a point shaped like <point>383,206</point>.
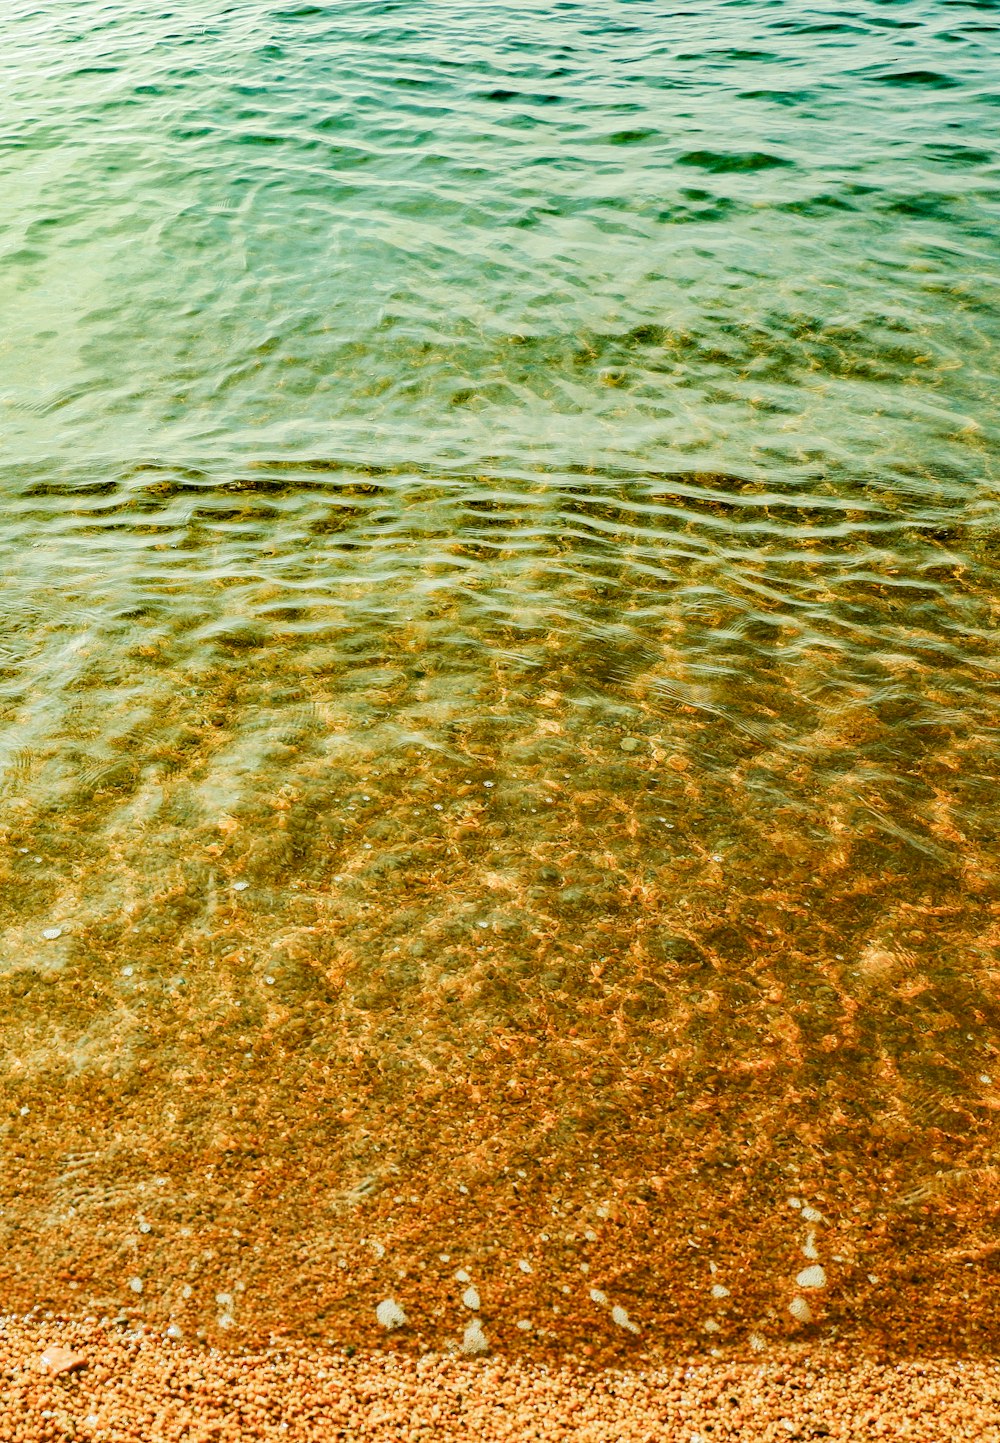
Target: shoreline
<point>116,1384</point>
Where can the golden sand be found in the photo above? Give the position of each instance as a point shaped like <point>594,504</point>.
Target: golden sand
<point>120,1385</point>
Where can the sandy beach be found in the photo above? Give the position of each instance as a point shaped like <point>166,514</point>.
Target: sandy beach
<point>65,1380</point>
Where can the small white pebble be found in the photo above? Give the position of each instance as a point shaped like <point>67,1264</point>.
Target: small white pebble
<point>985,1079</point>
<point>596,1296</point>
<point>525,1266</point>
<point>25,1110</point>
<point>268,981</point>
<point>174,1331</point>
<point>225,1320</point>
<point>621,1317</point>
<point>135,1284</point>
<point>390,1314</point>
<point>187,1291</point>
<point>809,1247</point>
<point>523,1324</point>
<point>474,1339</point>
<point>461,1276</point>
<point>757,1342</point>
<point>145,1227</point>
<point>590,1235</point>
<point>711,1326</point>
<point>471,1299</point>
<point>811,1278</point>
<point>718,1291</point>
<point>240,886</point>
<point>794,1202</point>
<point>800,1310</point>
<point>444,1257</point>
<point>788,1425</point>
<point>811,1215</point>
<point>51,933</point>
<point>873,1277</point>
<point>128,971</point>
<point>463,1189</point>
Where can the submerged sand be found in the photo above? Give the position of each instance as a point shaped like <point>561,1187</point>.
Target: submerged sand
<point>83,1380</point>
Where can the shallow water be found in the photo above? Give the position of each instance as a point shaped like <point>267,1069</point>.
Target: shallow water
<point>517,489</point>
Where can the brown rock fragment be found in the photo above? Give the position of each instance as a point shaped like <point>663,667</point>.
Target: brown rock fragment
<point>56,1360</point>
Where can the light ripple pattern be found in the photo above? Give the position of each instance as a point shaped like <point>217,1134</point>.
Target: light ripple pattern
<point>500,541</point>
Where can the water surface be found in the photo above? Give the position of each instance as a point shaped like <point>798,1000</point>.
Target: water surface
<point>499,573</point>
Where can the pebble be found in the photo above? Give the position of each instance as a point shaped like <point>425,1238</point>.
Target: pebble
<point>621,1317</point>
<point>51,933</point>
<point>474,1339</point>
<point>389,1314</point>
<point>56,1360</point>
<point>814,1277</point>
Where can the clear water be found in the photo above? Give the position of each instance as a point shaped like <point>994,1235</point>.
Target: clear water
<point>517,487</point>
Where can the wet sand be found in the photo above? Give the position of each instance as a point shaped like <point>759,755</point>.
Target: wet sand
<point>539,1025</point>
<point>552,1009</point>
<point>79,1380</point>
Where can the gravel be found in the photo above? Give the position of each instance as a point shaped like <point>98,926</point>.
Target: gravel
<point>114,1384</point>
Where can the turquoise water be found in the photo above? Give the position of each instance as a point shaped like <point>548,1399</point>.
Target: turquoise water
<point>707,297</point>
<point>470,400</point>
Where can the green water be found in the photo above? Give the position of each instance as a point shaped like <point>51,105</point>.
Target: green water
<point>548,454</point>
